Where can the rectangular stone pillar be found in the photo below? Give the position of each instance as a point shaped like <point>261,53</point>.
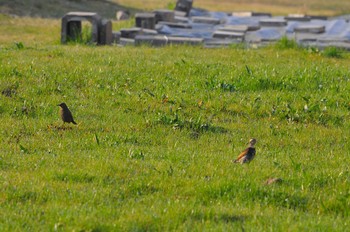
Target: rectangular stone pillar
<point>184,6</point>
<point>105,36</point>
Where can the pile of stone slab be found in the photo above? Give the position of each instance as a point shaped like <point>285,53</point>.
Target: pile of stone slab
<point>188,25</point>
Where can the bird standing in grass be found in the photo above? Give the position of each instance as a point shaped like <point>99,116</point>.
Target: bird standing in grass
<point>65,114</point>
<point>248,154</point>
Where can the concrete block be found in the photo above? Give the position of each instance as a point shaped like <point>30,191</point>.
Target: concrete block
<point>318,17</point>
<point>105,33</point>
<point>71,25</point>
<point>145,20</point>
<point>131,33</point>
<point>180,19</point>
<point>164,15</point>
<point>251,14</point>
<point>116,37</point>
<point>216,43</point>
<point>162,40</point>
<point>205,20</point>
<point>126,42</point>
<point>313,29</point>
<point>176,25</point>
<point>298,17</point>
<point>228,35</point>
<point>272,22</point>
<point>238,28</point>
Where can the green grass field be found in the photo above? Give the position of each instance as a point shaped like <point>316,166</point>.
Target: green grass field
<point>158,129</point>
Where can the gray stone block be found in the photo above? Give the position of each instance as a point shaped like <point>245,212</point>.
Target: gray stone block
<point>272,22</point>
<point>228,35</point>
<point>239,28</point>
<point>313,29</point>
<point>116,37</point>
<point>176,25</point>
<point>105,33</point>
<point>180,19</point>
<point>318,17</point>
<point>164,15</point>
<point>298,17</point>
<point>145,20</point>
<point>250,14</point>
<point>215,43</point>
<point>71,25</point>
<point>303,37</point>
<point>205,20</point>
<point>180,13</point>
<point>162,40</point>
<point>131,33</point>
<point>126,42</point>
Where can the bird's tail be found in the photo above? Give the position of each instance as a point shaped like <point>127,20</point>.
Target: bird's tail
<point>74,122</point>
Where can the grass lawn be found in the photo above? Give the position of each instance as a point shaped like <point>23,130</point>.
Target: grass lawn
<point>158,129</point>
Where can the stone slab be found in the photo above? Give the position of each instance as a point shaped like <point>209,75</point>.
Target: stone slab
<point>162,40</point>
<point>298,17</point>
<point>116,37</point>
<point>216,43</point>
<point>272,22</point>
<point>238,28</point>
<point>318,17</point>
<point>180,19</point>
<point>205,20</point>
<point>176,25</point>
<point>164,15</point>
<point>180,13</point>
<point>265,35</point>
<point>145,20</point>
<point>228,35</point>
<point>250,14</point>
<point>313,29</point>
<point>126,42</point>
<point>131,33</point>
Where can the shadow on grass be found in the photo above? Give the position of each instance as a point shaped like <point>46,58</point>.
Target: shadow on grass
<point>279,199</point>
<point>59,128</point>
<point>221,217</point>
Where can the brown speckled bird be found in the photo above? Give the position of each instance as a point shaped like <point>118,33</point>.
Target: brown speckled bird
<point>65,114</point>
<point>248,154</point>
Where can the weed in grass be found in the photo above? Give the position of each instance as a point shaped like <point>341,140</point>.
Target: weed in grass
<point>19,45</point>
<point>333,52</point>
<point>286,43</point>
